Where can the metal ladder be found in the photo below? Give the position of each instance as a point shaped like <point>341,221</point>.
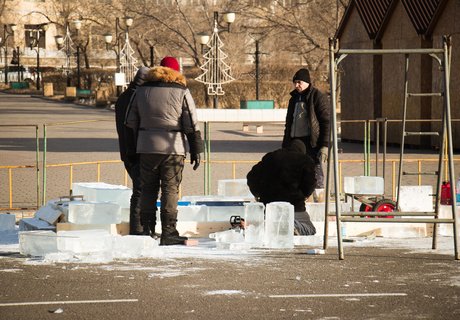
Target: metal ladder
<point>442,56</point>
<point>442,136</point>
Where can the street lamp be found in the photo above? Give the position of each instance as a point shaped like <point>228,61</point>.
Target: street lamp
<point>8,31</point>
<point>66,44</point>
<point>216,71</point>
<point>35,35</point>
<point>126,68</point>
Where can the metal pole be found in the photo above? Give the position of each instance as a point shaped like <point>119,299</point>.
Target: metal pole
<point>37,159</point>
<point>19,63</point>
<point>151,56</point>
<point>447,119</point>
<point>78,68</point>
<point>44,166</point>
<point>333,67</point>
<point>257,69</point>
<point>6,53</point>
<point>38,68</point>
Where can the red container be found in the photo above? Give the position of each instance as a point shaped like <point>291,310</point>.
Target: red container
<point>446,193</point>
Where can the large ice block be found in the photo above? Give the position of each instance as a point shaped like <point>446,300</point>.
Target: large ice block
<point>49,214</point>
<point>254,218</point>
<point>84,241</point>
<point>86,212</point>
<point>279,225</point>
<point>102,192</point>
<point>223,213</point>
<point>363,185</point>
<point>7,221</point>
<point>37,243</point>
<point>29,224</point>
<point>416,199</point>
<point>234,188</point>
<point>192,213</point>
<point>134,247</point>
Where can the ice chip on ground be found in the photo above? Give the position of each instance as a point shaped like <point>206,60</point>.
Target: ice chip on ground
<point>279,225</point>
<point>363,185</point>
<point>228,236</point>
<point>85,212</point>
<point>234,188</point>
<point>103,192</point>
<point>7,222</point>
<point>254,218</point>
<point>133,246</point>
<point>37,243</point>
<point>84,241</point>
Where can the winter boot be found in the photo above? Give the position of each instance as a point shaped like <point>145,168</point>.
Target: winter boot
<point>170,236</point>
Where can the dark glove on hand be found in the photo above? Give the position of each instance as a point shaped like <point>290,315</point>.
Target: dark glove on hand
<point>195,160</point>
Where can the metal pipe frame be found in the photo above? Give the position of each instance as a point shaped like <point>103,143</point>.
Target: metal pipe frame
<point>337,55</point>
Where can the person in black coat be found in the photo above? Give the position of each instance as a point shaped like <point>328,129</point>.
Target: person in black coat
<point>127,143</point>
<point>308,119</point>
<point>286,174</point>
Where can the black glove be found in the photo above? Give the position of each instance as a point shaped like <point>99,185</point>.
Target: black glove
<point>195,160</point>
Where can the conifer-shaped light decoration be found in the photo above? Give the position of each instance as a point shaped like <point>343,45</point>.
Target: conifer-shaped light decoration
<point>215,71</point>
<point>127,61</point>
<point>68,48</point>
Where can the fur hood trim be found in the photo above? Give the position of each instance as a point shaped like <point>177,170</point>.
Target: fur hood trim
<point>165,74</point>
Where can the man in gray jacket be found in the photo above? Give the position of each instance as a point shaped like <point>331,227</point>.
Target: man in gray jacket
<point>163,113</point>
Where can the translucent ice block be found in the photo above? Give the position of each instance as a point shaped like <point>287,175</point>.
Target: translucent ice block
<point>49,214</point>
<point>223,213</point>
<point>7,221</point>
<point>84,241</point>
<point>37,243</point>
<point>228,236</point>
<point>85,212</point>
<point>102,192</point>
<point>234,188</point>
<point>133,246</point>
<point>363,185</point>
<point>279,225</point>
<point>416,198</point>
<point>254,218</point>
<point>192,213</point>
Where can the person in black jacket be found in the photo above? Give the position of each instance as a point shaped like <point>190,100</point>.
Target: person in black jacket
<point>127,144</point>
<point>286,174</point>
<point>308,119</point>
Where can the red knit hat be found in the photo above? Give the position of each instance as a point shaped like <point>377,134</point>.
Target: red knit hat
<point>170,62</point>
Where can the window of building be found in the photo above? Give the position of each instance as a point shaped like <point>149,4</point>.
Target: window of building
<point>31,32</point>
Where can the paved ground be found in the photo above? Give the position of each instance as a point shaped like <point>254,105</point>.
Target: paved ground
<point>379,278</point>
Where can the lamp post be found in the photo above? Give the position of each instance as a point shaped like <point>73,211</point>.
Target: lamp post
<point>66,44</point>
<point>8,31</point>
<point>35,35</point>
<point>216,71</point>
<point>125,61</point>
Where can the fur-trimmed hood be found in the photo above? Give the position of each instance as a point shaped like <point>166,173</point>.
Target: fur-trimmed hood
<point>165,74</point>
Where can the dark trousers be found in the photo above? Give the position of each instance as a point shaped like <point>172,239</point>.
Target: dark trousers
<point>163,172</point>
<point>134,172</point>
<point>303,224</point>
<point>313,153</point>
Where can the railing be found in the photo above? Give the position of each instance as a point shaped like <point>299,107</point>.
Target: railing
<point>230,173</point>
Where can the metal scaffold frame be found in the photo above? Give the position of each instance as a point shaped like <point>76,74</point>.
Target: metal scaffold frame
<point>441,56</point>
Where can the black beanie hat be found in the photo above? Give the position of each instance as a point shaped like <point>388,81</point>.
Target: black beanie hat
<point>302,74</point>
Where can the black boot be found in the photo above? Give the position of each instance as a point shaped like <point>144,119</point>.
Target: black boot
<point>170,236</point>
